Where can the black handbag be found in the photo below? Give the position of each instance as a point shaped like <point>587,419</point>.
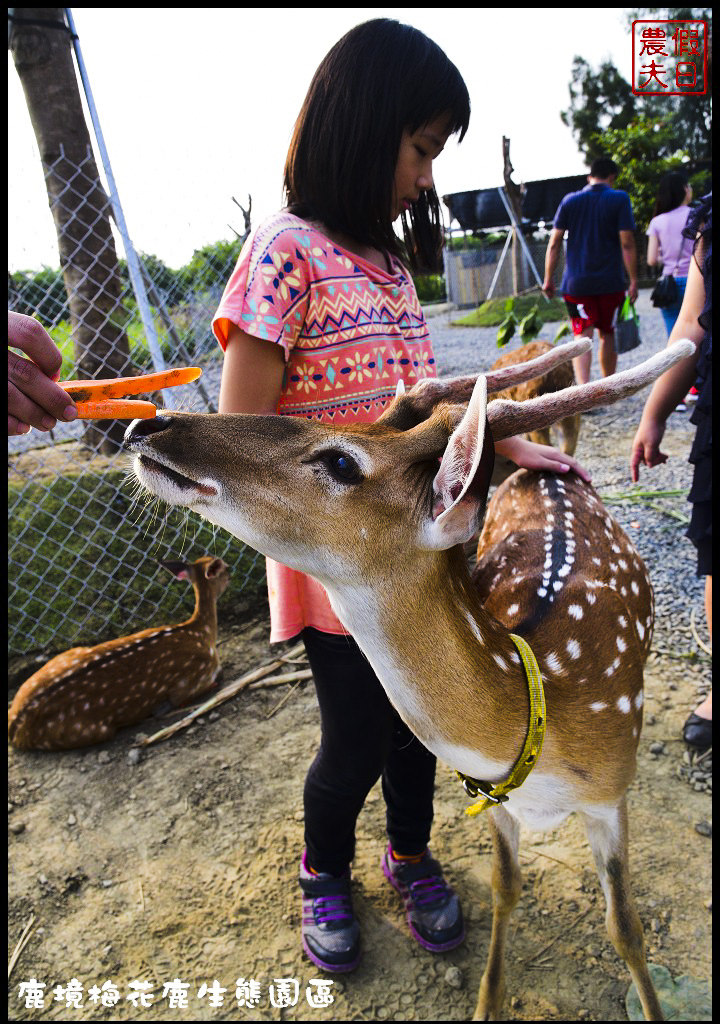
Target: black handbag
<point>665,292</point>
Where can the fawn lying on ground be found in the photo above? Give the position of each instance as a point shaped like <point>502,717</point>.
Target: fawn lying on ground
<point>368,511</point>
<point>84,695</point>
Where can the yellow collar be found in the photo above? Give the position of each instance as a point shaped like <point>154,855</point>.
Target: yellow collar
<point>492,795</point>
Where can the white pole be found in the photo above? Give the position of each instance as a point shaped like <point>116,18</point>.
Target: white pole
<point>136,279</point>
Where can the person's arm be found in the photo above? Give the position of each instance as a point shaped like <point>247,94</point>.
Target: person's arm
<point>629,255</point>
<point>652,251</point>
<point>530,455</point>
<point>252,374</point>
<point>34,400</point>
<point>552,256</point>
<point>672,387</point>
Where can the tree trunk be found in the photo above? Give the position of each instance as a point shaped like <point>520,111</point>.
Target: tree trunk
<point>514,195</point>
<point>80,207</point>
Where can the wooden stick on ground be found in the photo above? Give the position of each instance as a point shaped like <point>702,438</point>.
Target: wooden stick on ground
<point>22,942</point>
<point>219,698</point>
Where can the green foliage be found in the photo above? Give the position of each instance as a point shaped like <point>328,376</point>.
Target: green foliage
<point>430,287</point>
<point>602,101</point>
<point>506,330</point>
<point>493,312</point>
<point>39,292</point>
<point>530,326</point>
<point>82,519</point>
<point>599,100</point>
<point>636,149</point>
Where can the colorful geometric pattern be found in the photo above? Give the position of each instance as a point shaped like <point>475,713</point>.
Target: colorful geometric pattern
<point>349,329</point>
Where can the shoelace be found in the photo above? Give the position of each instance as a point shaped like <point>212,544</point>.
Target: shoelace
<point>426,891</point>
<point>325,909</point>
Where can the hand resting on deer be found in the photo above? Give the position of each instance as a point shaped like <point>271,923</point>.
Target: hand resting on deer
<point>368,511</point>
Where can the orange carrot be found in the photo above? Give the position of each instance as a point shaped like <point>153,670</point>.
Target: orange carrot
<point>94,390</point>
<point>115,409</point>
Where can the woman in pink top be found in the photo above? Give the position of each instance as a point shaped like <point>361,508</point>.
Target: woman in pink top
<point>666,242</point>
<point>320,319</point>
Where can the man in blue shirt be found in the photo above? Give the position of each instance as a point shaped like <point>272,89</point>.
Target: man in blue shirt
<point>600,248</point>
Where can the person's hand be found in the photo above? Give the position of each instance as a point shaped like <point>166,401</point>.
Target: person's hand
<point>632,291</point>
<point>548,287</point>
<point>530,455</point>
<point>33,397</point>
<point>646,447</point>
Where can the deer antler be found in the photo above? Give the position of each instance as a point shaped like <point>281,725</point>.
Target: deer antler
<point>417,404</point>
<point>508,418</point>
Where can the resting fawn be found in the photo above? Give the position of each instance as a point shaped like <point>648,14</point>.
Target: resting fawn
<point>84,695</point>
<point>372,514</point>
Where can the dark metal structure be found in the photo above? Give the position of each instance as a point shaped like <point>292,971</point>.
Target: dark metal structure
<point>483,209</point>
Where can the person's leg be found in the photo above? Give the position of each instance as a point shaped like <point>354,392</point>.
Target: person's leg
<point>582,364</point>
<point>705,709</point>
<point>357,726</point>
<point>607,353</point>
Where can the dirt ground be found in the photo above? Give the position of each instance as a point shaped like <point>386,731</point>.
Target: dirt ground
<point>181,865</point>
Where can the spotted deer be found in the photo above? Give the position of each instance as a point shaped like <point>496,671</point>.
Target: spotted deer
<point>556,379</point>
<point>378,514</point>
<point>84,695</point>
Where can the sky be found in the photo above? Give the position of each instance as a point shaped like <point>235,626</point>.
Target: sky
<point>197,105</point>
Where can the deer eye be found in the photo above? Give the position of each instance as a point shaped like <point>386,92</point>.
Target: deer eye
<point>342,467</point>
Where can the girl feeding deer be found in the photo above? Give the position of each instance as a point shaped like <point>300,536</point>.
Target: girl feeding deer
<point>320,319</point>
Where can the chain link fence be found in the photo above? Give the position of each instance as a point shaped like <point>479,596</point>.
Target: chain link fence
<point>83,545</point>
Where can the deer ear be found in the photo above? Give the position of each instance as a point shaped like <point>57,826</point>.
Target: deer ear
<point>178,569</point>
<point>461,485</point>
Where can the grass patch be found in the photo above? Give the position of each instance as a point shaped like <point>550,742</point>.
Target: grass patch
<point>84,568</point>
<point>493,312</point>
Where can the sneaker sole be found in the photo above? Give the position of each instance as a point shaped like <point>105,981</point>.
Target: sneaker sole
<point>439,947</point>
<point>331,968</point>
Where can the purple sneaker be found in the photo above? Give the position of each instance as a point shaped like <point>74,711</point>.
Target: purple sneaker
<point>330,933</point>
<point>433,909</point>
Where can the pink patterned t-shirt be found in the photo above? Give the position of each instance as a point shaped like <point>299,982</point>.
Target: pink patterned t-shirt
<point>349,331</point>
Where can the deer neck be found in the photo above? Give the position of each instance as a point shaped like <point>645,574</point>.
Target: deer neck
<point>449,668</point>
<point>204,617</point>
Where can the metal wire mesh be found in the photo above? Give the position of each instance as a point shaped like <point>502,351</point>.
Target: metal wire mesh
<point>82,550</point>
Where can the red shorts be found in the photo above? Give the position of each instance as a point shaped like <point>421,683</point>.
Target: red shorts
<point>594,311</point>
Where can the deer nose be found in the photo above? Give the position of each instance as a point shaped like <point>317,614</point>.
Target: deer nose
<point>139,429</point>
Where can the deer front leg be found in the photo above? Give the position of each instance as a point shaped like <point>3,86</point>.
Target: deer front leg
<point>608,838</point>
<point>506,883</point>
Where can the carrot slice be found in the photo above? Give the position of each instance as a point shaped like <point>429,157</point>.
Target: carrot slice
<point>118,387</point>
<point>115,409</point>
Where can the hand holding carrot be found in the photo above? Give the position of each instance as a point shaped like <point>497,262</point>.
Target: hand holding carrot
<point>34,399</point>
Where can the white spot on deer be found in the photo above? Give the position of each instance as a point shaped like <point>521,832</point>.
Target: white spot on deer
<point>503,665</point>
<point>599,705</point>
<point>557,585</point>
<point>640,629</point>
<point>542,592</point>
<point>475,628</point>
<point>513,609</point>
<point>576,611</point>
<point>621,645</point>
<point>634,587</point>
<point>639,700</point>
<point>590,598</point>
<point>623,564</point>
<point>573,649</point>
<point>624,705</point>
<point>553,663</point>
<point>564,570</point>
<point>515,657</point>
<point>612,668</point>
<point>597,561</point>
<point>623,621</point>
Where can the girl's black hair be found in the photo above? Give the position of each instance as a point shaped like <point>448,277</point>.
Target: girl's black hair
<point>670,193</point>
<point>378,80</point>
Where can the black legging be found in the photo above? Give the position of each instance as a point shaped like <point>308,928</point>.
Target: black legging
<point>362,738</point>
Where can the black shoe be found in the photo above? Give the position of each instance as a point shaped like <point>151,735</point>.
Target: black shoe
<point>697,731</point>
